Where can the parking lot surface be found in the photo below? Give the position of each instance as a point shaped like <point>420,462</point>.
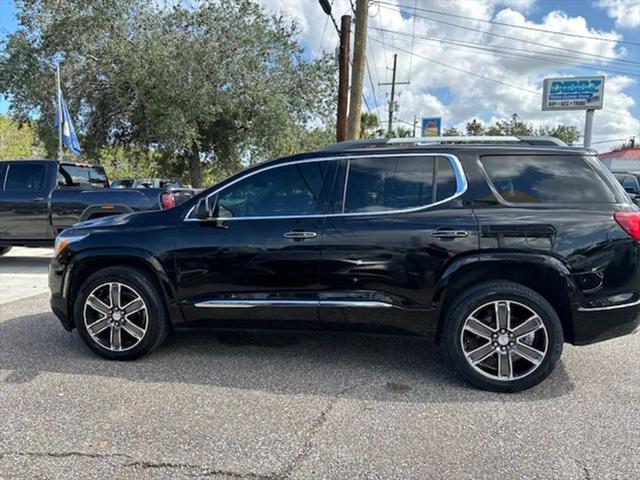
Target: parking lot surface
<point>277,406</point>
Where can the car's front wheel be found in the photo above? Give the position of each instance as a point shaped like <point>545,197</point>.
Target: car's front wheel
<point>120,314</point>
<point>502,336</point>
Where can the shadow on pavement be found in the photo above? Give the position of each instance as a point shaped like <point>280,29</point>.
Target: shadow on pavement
<point>326,364</point>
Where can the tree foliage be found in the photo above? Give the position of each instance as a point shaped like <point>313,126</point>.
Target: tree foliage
<point>216,83</point>
<point>18,140</point>
<point>515,126</point>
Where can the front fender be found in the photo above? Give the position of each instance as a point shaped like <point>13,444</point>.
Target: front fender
<point>83,263</point>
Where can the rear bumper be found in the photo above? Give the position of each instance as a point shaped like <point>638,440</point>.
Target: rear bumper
<point>598,324</point>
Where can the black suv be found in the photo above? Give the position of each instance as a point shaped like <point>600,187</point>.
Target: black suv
<point>501,252</point>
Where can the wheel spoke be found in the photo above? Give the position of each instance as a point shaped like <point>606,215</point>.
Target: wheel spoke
<point>115,339</point>
<point>133,330</point>
<point>98,326</point>
<point>478,328</point>
<point>97,304</point>
<point>114,295</point>
<point>503,315</point>
<point>505,365</point>
<point>530,354</point>
<point>530,325</point>
<point>133,307</point>
<point>481,353</point>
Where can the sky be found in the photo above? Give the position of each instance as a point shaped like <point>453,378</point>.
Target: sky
<point>481,67</point>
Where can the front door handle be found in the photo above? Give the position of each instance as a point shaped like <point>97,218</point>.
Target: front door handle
<point>298,235</point>
<point>37,199</point>
<point>449,233</point>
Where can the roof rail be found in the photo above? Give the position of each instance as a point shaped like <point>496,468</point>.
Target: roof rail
<point>385,142</point>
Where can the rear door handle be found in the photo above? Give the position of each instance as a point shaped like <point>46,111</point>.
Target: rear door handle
<point>297,235</point>
<point>449,233</point>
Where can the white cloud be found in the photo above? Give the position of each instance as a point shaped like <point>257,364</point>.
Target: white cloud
<point>625,12</point>
<point>439,87</point>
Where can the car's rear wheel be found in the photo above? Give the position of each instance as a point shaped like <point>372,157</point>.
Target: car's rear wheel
<point>120,314</point>
<point>502,336</point>
<point>4,250</point>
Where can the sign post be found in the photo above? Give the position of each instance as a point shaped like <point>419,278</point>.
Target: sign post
<point>578,93</point>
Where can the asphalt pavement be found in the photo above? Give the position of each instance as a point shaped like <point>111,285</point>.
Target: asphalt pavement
<point>279,406</point>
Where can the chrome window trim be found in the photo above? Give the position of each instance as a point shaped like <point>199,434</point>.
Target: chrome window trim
<point>291,303</point>
<point>461,187</point>
<point>609,307</point>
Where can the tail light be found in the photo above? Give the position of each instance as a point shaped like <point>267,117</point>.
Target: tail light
<point>630,223</point>
<point>167,200</point>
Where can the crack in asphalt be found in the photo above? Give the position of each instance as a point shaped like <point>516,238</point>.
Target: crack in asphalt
<point>207,471</point>
<point>313,430</point>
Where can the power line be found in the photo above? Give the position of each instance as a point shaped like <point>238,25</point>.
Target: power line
<point>413,39</point>
<point>535,56</point>
<point>524,27</point>
<point>489,79</point>
<point>531,42</point>
<point>373,88</point>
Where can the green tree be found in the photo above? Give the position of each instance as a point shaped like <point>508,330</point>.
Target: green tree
<point>210,85</point>
<point>18,140</point>
<point>569,134</point>
<point>513,126</point>
<point>370,126</point>
<point>451,132</point>
<point>475,128</point>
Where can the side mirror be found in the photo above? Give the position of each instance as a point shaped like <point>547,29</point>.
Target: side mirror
<point>206,208</point>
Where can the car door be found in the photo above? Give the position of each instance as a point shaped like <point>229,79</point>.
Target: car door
<point>23,201</point>
<point>257,264</point>
<point>401,220</point>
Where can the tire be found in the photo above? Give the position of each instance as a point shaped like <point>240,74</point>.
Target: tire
<point>4,250</point>
<point>466,342</point>
<point>111,332</point>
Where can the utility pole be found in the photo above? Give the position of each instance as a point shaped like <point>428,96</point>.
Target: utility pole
<point>393,93</point>
<point>60,119</point>
<point>343,79</point>
<point>357,74</point>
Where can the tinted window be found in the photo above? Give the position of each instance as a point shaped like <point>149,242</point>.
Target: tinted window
<point>396,183</point>
<point>630,182</point>
<point>288,190</point>
<point>25,177</point>
<point>445,180</point>
<point>78,176</point>
<point>548,179</point>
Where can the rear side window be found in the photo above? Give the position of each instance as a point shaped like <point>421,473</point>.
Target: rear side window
<point>25,177</point>
<point>397,183</point>
<point>549,179</point>
<point>79,176</point>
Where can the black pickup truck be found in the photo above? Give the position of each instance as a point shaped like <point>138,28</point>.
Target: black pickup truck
<point>40,198</point>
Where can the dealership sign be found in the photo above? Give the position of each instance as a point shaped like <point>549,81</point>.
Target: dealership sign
<point>578,93</point>
<point>431,127</point>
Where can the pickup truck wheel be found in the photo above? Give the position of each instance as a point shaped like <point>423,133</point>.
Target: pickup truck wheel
<point>4,250</point>
<point>502,336</point>
<point>120,314</point>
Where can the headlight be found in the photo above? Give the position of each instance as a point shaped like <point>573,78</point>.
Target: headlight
<point>63,242</point>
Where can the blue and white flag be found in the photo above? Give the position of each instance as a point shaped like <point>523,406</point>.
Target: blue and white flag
<point>69,137</point>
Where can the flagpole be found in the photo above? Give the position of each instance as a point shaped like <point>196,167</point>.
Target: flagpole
<point>60,119</point>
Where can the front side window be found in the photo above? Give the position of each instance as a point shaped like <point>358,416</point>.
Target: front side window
<point>25,177</point>
<point>548,179</point>
<point>290,190</point>
<point>397,183</point>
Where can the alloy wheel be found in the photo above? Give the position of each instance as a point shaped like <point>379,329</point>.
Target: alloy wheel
<point>504,340</point>
<point>115,316</point>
